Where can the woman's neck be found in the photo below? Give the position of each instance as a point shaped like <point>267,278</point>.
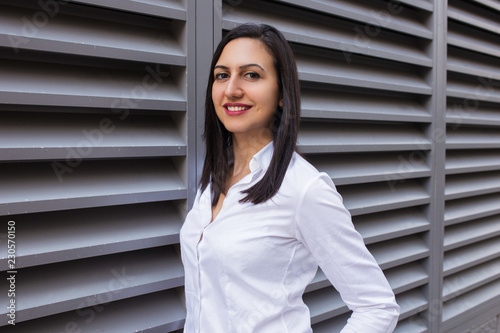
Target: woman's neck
<point>245,146</point>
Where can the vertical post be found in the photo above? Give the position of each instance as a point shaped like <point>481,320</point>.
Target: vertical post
<point>437,132</point>
<point>204,50</point>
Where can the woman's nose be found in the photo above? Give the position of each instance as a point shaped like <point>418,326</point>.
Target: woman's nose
<point>233,88</point>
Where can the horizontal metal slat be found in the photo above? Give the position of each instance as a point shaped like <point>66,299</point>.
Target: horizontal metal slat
<point>328,32</point>
<point>465,161</point>
<point>471,14</point>
<point>324,304</point>
<point>349,137</point>
<point>475,231</point>
<point>51,289</point>
<point>415,324</point>
<point>473,90</point>
<point>406,277</point>
<point>377,197</point>
<point>89,36</point>
<point>466,37</point>
<point>331,104</point>
<point>49,238</point>
<point>165,8</point>
<point>465,307</point>
<point>471,255</point>
<point>153,313</point>
<point>411,302</point>
<point>24,82</point>
<point>474,64</point>
<point>329,68</point>
<point>462,210</point>
<point>422,4</point>
<point>401,278</point>
<point>399,251</point>
<point>464,112</point>
<point>393,167</point>
<point>318,282</point>
<point>470,279</point>
<point>489,3</point>
<point>391,224</point>
<point>32,136</point>
<point>468,185</point>
<point>41,187</point>
<point>334,324</point>
<point>473,138</point>
<point>390,16</point>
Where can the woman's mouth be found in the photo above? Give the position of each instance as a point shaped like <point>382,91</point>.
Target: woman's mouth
<point>236,109</point>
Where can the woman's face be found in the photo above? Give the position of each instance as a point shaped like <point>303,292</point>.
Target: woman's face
<point>245,91</point>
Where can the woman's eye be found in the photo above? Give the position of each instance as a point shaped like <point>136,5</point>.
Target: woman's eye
<point>252,75</point>
<point>221,76</point>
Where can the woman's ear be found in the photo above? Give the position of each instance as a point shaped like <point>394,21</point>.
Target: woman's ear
<point>280,103</point>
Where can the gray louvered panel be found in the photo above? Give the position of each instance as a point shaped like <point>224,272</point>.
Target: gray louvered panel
<point>50,237</point>
<point>471,89</point>
<point>401,278</point>
<point>461,210</point>
<point>379,197</point>
<point>458,186</point>
<point>327,31</point>
<point>468,112</point>
<point>24,82</point>
<point>89,36</point>
<point>471,14</point>
<point>412,302</point>
<point>391,16</point>
<point>392,167</point>
<point>34,136</point>
<point>328,67</point>
<point>468,233</point>
<point>165,8</point>
<point>324,304</point>
<point>470,255</point>
<point>36,187</point>
<point>323,137</point>
<point>473,138</point>
<point>471,63</point>
<point>327,103</point>
<point>399,251</point>
<point>470,38</point>
<point>464,161</point>
<point>153,313</point>
<point>331,325</point>
<point>482,302</point>
<point>415,324</point>
<point>470,279</point>
<point>56,288</point>
<point>387,225</point>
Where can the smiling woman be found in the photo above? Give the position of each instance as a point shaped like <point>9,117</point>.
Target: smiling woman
<point>245,91</point>
<point>264,219</point>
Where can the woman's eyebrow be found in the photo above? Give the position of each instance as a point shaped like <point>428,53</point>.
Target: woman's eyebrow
<point>241,67</point>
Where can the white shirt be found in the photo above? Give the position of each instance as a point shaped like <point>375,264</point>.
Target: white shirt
<point>249,270</point>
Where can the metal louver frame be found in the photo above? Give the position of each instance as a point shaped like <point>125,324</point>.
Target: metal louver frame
<point>101,105</point>
<point>94,156</point>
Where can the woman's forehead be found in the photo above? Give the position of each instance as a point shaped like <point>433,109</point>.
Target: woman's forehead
<point>243,51</point>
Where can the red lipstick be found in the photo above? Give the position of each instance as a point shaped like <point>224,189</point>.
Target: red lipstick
<point>236,109</point>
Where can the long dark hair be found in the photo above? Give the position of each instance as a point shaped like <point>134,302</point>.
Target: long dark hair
<point>286,123</point>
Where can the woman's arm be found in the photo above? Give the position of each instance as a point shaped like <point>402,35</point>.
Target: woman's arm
<point>324,226</point>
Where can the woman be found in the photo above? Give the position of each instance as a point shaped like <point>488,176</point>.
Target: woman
<point>264,218</point>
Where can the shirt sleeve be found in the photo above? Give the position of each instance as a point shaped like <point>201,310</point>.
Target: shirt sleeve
<point>324,226</point>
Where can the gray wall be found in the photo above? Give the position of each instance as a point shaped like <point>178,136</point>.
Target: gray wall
<point>101,106</point>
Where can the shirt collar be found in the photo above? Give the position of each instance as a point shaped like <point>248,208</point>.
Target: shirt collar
<point>262,158</point>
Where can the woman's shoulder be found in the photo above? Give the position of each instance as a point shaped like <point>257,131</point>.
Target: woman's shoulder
<point>301,174</point>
